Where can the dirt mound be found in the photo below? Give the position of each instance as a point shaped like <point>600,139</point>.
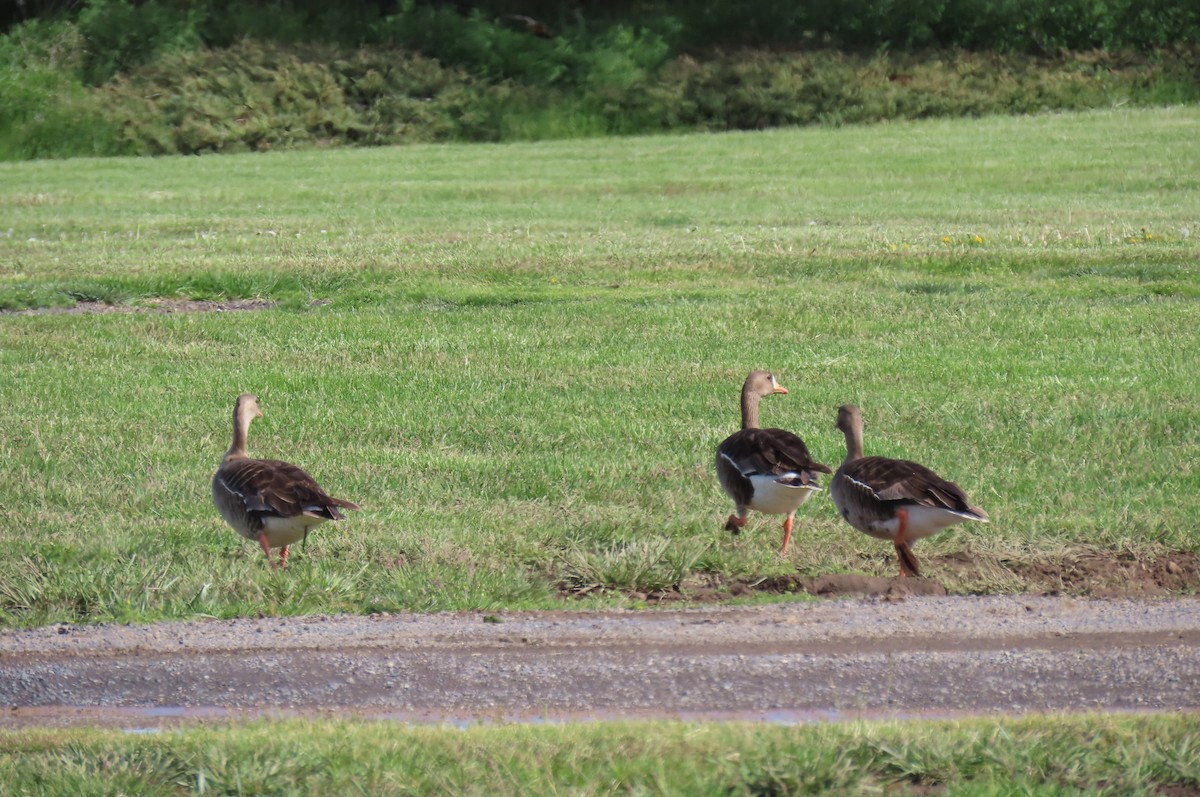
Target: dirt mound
<point>836,584</point>
<point>1113,575</point>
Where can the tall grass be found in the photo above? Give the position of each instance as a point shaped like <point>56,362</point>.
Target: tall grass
<point>520,358</point>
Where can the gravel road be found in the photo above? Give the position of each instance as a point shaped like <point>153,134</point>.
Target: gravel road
<point>923,656</point>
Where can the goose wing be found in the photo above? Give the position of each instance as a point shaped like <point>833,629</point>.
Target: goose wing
<point>271,487</point>
<point>771,452</point>
<point>905,482</point>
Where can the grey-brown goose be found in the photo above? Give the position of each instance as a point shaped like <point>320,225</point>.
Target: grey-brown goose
<point>894,499</point>
<point>767,470</point>
<point>271,502</point>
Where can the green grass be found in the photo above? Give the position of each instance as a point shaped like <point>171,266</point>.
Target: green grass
<point>1128,755</point>
<point>519,358</point>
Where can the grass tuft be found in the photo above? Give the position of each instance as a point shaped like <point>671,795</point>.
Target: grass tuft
<point>650,564</point>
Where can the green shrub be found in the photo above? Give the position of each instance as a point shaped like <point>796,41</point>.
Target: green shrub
<point>221,23</point>
<point>120,35</point>
<point>488,42</point>
<point>259,96</point>
<point>1159,23</point>
<point>477,44</point>
<point>488,47</point>
<point>46,111</point>
<point>1026,26</point>
<point>755,90</point>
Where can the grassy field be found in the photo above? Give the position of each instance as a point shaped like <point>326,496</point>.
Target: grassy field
<point>1127,755</point>
<point>519,358</point>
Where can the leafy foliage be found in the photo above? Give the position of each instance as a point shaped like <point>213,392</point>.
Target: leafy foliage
<point>488,39</point>
<point>255,96</point>
<point>154,77</point>
<point>45,111</point>
<point>1025,25</point>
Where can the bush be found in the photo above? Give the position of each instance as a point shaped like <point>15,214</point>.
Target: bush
<point>756,90</point>
<point>489,42</point>
<point>46,111</point>
<point>1023,26</point>
<point>120,36</point>
<point>477,44</point>
<point>259,96</point>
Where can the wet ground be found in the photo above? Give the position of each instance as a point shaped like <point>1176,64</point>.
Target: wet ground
<point>876,657</point>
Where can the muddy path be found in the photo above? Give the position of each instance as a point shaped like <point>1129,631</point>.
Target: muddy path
<point>919,656</point>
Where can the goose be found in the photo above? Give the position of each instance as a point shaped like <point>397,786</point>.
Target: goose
<point>894,499</point>
<point>270,502</point>
<point>767,470</point>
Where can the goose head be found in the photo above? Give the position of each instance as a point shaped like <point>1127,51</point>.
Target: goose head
<point>758,384</point>
<point>247,408</point>
<point>244,411</point>
<point>762,383</point>
<point>850,422</point>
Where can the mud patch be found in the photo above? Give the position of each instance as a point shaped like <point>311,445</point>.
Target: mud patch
<point>1112,575</point>
<point>154,306</point>
<point>228,305</point>
<point>1079,573</point>
<point>895,588</point>
<point>829,585</point>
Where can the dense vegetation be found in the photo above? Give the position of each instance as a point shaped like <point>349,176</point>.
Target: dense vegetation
<point>466,30</point>
<point>112,77</point>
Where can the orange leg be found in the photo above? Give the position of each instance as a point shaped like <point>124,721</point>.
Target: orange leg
<point>283,554</point>
<point>908,562</point>
<point>262,540</point>
<point>787,534</point>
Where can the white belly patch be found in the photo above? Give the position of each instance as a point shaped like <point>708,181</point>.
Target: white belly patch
<point>773,497</point>
<point>283,531</point>
<point>923,521</point>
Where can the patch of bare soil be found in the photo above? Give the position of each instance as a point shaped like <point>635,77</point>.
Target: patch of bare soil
<point>1177,791</point>
<point>154,305</point>
<point>191,306</point>
<point>1084,573</point>
<point>1123,574</point>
